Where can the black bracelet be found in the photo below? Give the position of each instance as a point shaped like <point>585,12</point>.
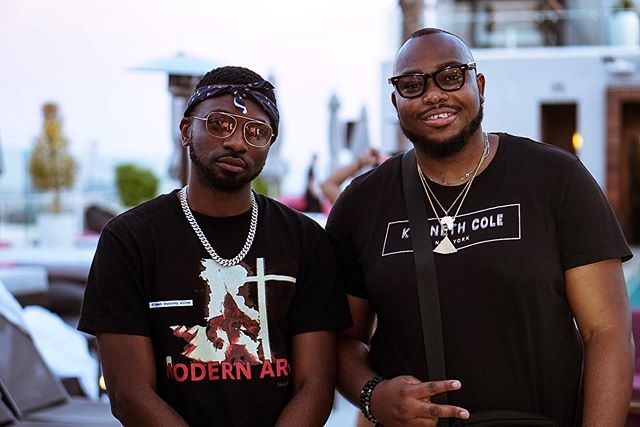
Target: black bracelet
<point>365,398</point>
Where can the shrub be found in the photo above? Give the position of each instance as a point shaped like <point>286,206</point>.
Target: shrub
<point>135,184</point>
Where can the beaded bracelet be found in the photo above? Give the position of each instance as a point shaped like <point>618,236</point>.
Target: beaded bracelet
<point>365,398</point>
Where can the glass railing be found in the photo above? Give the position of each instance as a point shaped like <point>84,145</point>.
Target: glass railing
<point>494,28</point>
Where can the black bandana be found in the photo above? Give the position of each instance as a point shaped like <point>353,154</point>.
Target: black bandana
<point>251,90</point>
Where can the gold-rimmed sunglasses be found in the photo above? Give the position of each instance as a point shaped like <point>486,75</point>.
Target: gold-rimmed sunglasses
<point>222,125</point>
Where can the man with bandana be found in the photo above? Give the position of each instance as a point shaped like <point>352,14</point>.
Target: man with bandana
<point>527,253</point>
<point>215,305</point>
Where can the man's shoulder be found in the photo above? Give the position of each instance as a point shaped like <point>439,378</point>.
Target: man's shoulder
<point>279,211</point>
<point>143,213</point>
<point>530,150</point>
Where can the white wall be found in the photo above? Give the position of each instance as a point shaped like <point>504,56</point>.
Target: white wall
<point>519,82</point>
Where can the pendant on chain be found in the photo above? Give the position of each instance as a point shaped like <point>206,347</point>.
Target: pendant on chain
<point>445,247</point>
<point>447,222</point>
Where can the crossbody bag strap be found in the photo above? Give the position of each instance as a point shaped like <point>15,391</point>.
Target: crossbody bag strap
<point>427,282</point>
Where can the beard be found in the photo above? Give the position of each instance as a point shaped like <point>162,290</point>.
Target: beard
<point>221,182</point>
<point>445,149</point>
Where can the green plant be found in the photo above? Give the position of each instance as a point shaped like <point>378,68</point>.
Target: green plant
<point>259,185</point>
<point>268,187</point>
<point>51,167</point>
<point>135,184</point>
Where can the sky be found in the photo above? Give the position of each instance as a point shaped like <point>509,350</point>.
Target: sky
<point>82,55</point>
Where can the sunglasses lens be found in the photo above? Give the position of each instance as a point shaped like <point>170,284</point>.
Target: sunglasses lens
<point>450,78</point>
<point>257,134</point>
<point>220,125</point>
<point>410,86</point>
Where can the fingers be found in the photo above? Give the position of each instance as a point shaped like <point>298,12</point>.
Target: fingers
<point>428,389</point>
<point>369,157</point>
<point>405,401</point>
<point>429,409</point>
<point>433,410</point>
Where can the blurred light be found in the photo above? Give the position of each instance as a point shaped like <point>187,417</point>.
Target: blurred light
<point>577,141</point>
<point>102,384</point>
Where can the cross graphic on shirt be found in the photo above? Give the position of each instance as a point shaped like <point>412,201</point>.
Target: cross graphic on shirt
<point>261,280</point>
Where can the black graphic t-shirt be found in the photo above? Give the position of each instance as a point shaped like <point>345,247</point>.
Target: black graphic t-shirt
<point>509,334</point>
<point>221,335</point>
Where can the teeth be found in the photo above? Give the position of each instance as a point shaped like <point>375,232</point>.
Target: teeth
<point>439,116</point>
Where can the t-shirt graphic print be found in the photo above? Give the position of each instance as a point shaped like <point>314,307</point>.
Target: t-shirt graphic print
<point>237,328</point>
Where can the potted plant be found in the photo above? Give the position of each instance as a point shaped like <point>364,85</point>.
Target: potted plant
<point>53,169</point>
<point>625,24</point>
<point>135,184</point>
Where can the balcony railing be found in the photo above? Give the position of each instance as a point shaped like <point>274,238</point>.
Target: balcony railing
<point>486,27</point>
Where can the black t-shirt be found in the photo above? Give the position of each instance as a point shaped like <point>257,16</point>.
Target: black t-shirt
<point>509,334</point>
<point>221,336</point>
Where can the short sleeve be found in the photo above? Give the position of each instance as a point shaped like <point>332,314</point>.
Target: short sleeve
<point>340,235</point>
<point>113,299</point>
<point>588,229</point>
<point>320,302</point>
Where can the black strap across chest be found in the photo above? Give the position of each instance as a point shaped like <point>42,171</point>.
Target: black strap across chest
<point>427,281</point>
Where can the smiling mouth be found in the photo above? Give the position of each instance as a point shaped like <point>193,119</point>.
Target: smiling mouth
<point>439,116</point>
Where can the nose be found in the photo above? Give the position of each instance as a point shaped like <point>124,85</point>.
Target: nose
<point>432,93</point>
<point>235,141</point>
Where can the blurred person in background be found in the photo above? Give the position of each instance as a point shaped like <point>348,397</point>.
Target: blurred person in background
<point>332,186</point>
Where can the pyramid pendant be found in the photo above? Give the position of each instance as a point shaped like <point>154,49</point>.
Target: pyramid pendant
<point>445,247</point>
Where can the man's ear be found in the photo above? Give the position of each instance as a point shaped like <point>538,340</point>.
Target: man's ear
<point>185,131</point>
<point>481,84</point>
<point>394,101</point>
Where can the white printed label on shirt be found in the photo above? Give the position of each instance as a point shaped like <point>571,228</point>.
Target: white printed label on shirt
<point>498,223</point>
<point>171,303</point>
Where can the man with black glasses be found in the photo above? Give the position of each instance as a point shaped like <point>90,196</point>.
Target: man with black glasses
<point>527,254</point>
<point>215,305</point>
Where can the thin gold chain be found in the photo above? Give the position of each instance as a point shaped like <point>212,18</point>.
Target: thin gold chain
<point>465,190</point>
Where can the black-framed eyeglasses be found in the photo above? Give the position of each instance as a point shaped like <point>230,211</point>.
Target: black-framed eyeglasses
<point>449,79</point>
<point>222,125</point>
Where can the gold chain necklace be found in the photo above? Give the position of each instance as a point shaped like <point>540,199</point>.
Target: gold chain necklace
<point>447,221</point>
<point>454,182</point>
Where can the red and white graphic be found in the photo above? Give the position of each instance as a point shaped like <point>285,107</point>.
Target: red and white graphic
<point>237,326</point>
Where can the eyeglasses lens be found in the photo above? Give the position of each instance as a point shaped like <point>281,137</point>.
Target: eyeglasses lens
<point>220,125</point>
<point>450,78</point>
<point>257,134</point>
<point>410,86</point>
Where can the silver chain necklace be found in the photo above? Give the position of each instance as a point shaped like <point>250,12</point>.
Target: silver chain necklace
<point>203,239</point>
<point>447,221</point>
